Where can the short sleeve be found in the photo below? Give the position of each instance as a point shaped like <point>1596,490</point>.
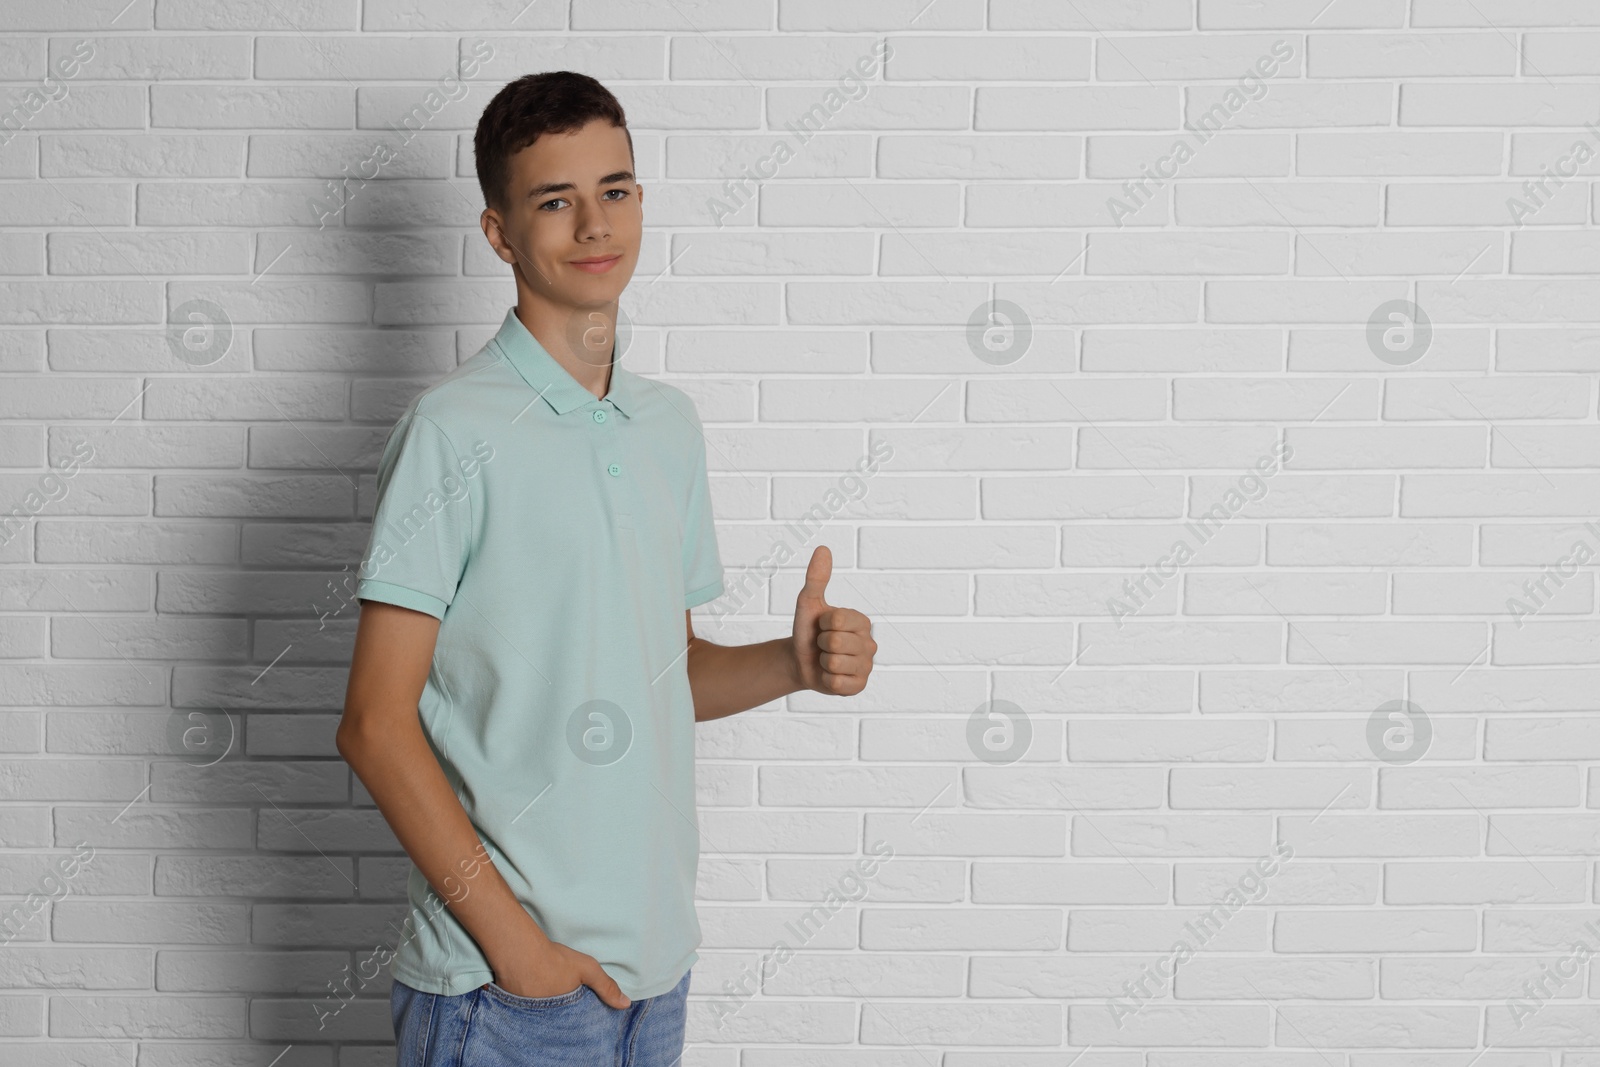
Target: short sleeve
<point>702,565</point>
<point>422,523</point>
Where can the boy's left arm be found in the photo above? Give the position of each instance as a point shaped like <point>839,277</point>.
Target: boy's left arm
<point>830,651</point>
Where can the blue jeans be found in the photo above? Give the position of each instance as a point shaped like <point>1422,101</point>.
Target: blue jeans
<point>490,1027</point>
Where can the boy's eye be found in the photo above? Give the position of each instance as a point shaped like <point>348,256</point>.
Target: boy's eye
<point>563,200</point>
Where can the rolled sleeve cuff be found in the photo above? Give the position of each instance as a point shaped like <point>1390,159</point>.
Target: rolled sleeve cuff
<point>704,594</point>
<point>389,593</point>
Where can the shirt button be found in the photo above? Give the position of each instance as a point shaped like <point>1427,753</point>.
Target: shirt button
<point>614,470</point>
<point>599,416</point>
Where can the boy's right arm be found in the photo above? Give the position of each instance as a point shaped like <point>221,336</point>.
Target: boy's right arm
<point>381,738</point>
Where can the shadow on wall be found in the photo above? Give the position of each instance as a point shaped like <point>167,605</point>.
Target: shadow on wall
<point>364,250</point>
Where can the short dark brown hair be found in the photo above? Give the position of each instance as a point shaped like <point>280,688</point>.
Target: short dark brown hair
<point>554,101</point>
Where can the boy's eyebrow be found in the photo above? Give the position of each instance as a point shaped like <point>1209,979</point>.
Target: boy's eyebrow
<point>563,187</point>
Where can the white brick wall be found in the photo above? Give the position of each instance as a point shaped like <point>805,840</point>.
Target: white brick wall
<point>1218,739</point>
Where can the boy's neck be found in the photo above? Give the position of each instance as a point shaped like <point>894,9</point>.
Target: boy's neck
<point>546,321</point>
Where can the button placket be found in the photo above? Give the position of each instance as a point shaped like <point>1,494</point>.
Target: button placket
<point>611,447</point>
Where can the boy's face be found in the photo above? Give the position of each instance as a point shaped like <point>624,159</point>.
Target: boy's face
<point>572,197</point>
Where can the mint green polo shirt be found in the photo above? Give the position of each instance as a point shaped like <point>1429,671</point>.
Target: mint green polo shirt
<point>559,539</point>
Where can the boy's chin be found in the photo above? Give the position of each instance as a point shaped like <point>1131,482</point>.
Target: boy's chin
<point>594,293</point>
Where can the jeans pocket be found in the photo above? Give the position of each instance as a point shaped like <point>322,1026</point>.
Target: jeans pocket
<point>571,1029</point>
<point>557,1001</point>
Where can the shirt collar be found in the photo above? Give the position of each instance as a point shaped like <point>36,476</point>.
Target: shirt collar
<point>553,381</point>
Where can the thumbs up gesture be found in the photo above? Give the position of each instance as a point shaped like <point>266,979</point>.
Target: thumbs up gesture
<point>833,647</point>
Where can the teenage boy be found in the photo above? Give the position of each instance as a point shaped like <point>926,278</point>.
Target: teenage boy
<point>523,690</point>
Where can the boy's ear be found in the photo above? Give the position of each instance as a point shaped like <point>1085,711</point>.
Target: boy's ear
<point>490,221</point>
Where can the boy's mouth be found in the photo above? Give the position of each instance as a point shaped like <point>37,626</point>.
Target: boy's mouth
<point>597,264</point>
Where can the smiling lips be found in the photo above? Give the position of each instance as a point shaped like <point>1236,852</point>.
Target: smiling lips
<point>597,264</point>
